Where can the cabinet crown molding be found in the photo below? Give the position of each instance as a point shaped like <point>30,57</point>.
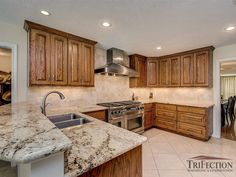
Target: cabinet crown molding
<point>28,25</point>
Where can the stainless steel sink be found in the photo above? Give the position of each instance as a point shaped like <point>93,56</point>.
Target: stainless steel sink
<point>68,120</point>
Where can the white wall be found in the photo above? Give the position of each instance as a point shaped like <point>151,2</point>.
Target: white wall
<point>17,35</point>
<point>226,53</point>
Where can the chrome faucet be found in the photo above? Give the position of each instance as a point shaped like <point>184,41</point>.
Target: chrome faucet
<point>44,105</point>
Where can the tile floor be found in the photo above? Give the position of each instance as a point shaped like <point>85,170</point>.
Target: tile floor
<point>165,154</point>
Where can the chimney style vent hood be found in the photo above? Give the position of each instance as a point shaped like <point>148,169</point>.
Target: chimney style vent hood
<point>117,64</point>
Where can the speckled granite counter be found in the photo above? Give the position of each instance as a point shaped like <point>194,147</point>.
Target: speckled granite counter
<point>95,143</point>
<point>182,103</point>
<point>26,134</point>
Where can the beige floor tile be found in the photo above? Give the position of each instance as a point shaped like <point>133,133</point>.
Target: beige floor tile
<point>229,174</point>
<point>150,173</point>
<point>147,152</point>
<point>169,162</point>
<point>167,153</point>
<point>174,173</point>
<point>152,132</point>
<point>206,174</point>
<point>161,148</point>
<point>149,163</point>
<point>161,138</point>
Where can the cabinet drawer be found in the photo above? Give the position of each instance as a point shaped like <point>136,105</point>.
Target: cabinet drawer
<point>101,115</point>
<point>166,124</point>
<point>192,130</point>
<point>191,109</point>
<point>166,106</point>
<point>196,119</point>
<point>166,114</point>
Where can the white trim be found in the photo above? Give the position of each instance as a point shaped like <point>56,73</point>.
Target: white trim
<point>14,86</point>
<point>227,75</point>
<point>217,110</point>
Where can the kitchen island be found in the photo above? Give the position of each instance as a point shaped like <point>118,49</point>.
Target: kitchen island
<point>31,142</point>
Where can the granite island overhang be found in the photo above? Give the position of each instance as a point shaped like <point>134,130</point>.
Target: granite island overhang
<point>29,137</point>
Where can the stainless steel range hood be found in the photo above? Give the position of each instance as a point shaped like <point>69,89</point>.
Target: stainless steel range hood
<point>117,64</point>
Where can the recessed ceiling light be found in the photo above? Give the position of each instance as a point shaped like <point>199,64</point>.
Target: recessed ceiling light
<point>44,12</point>
<point>230,28</point>
<point>106,24</point>
<point>159,48</point>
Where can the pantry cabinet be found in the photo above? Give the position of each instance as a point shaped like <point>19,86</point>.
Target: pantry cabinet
<point>59,58</point>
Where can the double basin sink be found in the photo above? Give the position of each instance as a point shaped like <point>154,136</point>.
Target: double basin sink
<point>68,120</point>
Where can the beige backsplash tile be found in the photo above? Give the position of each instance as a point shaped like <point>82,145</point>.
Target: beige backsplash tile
<point>112,88</point>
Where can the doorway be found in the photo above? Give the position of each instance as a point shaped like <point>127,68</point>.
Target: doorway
<point>13,95</point>
<point>228,99</point>
<point>5,75</point>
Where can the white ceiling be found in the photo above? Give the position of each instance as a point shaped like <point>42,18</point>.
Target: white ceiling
<point>138,26</point>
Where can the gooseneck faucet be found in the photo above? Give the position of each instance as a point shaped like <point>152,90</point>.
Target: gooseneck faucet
<point>44,105</point>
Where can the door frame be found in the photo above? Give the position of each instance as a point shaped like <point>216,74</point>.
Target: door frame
<point>216,91</point>
<point>14,80</point>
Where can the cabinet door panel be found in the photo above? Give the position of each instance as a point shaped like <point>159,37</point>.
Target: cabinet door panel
<point>164,72</point>
<point>87,64</point>
<point>187,64</point>
<point>192,130</point>
<point>40,61</point>
<point>152,72</point>
<point>201,72</point>
<point>142,70</point>
<point>59,60</point>
<point>166,124</point>
<point>74,63</point>
<point>175,71</point>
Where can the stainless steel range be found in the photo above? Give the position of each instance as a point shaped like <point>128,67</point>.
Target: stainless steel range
<point>126,114</point>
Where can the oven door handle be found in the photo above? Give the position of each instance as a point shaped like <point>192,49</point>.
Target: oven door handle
<point>128,117</point>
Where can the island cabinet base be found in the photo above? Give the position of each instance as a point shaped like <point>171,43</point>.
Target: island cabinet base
<point>125,165</point>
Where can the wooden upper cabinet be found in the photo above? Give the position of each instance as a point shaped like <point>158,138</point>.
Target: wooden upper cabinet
<point>164,72</point>
<point>58,60</point>
<point>74,63</point>
<point>138,63</point>
<point>175,71</point>
<point>202,68</point>
<point>87,65</point>
<point>187,70</point>
<point>40,60</point>
<point>152,72</point>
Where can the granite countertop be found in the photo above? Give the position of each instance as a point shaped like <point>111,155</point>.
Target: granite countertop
<point>27,135</point>
<point>95,143</point>
<point>182,103</point>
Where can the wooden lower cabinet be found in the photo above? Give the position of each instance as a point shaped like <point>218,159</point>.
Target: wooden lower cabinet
<point>192,130</point>
<point>101,115</point>
<point>125,165</point>
<point>148,115</point>
<point>191,121</point>
<point>166,116</point>
<point>166,123</point>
